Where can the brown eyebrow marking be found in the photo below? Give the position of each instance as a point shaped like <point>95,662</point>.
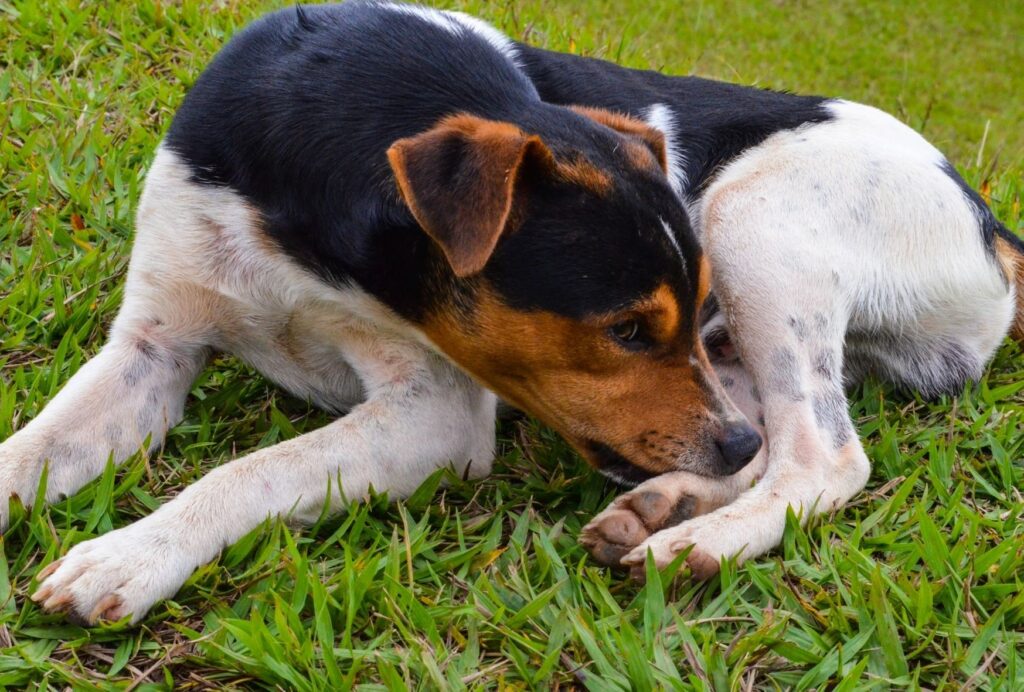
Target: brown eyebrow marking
<point>652,139</point>
<point>662,310</point>
<point>584,173</point>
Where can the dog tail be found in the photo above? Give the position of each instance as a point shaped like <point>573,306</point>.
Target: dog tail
<point>1010,254</point>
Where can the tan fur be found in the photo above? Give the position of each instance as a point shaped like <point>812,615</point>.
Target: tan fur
<point>465,221</point>
<point>582,172</point>
<point>653,141</point>
<point>653,407</point>
<point>1012,264</point>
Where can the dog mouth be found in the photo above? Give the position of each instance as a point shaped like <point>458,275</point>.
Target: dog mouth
<point>615,466</point>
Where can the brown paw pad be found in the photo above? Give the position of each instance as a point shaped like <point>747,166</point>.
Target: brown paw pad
<point>613,535</point>
<point>658,511</point>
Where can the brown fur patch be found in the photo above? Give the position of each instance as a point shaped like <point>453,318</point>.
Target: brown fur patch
<point>573,377</point>
<point>703,281</point>
<point>661,313</point>
<point>653,141</point>
<point>1012,264</point>
<point>582,172</point>
<point>465,209</point>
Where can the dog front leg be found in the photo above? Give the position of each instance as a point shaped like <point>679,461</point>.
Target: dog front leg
<point>788,314</point>
<point>406,429</point>
<point>132,391</point>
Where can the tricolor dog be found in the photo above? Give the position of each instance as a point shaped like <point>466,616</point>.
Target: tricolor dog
<point>399,213</point>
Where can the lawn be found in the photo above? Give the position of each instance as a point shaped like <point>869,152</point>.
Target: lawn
<point>917,583</point>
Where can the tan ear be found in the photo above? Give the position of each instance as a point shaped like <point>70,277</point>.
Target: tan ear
<point>637,129</point>
<point>460,179</point>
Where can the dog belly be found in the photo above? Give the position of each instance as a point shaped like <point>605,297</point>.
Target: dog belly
<point>293,351</point>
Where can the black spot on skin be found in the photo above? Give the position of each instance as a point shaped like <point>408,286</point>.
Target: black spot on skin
<point>113,433</point>
<point>859,214</point>
<point>799,328</point>
<point>62,452</point>
<point>784,378</point>
<point>145,420</point>
<point>755,393</point>
<point>147,349</point>
<point>139,367</point>
<point>831,414</point>
<point>821,320</point>
<point>727,382</point>
<point>824,365</point>
<point>135,372</point>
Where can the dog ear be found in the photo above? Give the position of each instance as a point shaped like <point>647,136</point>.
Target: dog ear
<point>462,179</point>
<point>634,128</point>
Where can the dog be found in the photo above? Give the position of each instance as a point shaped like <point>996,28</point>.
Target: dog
<point>842,244</point>
<point>397,211</point>
<point>371,204</point>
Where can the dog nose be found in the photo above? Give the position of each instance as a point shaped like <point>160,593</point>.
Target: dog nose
<point>738,445</point>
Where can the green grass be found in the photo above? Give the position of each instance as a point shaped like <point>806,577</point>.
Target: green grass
<point>916,583</point>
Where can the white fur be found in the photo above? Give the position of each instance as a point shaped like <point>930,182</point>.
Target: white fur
<point>660,117</point>
<point>459,22</point>
<point>672,239</point>
<point>203,277</point>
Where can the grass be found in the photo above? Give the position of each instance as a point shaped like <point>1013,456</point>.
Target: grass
<point>916,584</point>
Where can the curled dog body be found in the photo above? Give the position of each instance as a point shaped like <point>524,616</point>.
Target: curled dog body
<point>399,214</point>
<point>371,205</point>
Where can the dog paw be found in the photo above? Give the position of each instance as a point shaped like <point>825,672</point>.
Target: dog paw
<point>121,573</point>
<point>633,517</point>
<point>708,538</point>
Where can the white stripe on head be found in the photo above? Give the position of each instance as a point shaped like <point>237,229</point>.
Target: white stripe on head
<point>672,239</point>
<point>659,116</point>
<point>459,22</point>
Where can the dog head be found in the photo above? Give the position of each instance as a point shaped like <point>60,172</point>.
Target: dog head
<point>572,283</point>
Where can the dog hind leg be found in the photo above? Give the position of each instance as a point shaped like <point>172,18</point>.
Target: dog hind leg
<point>788,315</point>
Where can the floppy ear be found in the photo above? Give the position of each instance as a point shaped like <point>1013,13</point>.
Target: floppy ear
<point>634,128</point>
<point>461,179</point>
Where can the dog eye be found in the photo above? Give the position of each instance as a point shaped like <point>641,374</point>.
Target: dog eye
<point>627,332</point>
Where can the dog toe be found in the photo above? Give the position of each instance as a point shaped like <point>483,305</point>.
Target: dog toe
<point>623,528</point>
<point>612,535</point>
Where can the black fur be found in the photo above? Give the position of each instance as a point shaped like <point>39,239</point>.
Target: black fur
<point>714,121</point>
<point>615,465</point>
<point>990,225</point>
<point>296,114</point>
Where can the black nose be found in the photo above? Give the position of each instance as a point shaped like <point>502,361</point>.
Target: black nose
<point>738,445</point>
